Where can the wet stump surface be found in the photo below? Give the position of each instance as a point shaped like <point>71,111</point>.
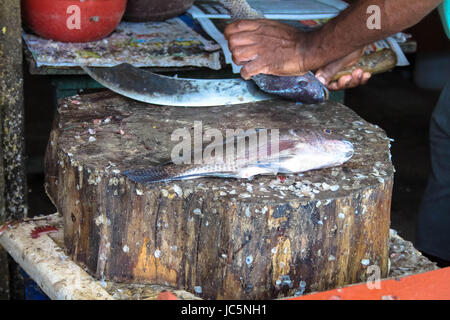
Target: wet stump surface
<point>220,238</point>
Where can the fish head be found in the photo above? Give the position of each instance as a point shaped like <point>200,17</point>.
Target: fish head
<point>338,151</point>
<point>307,149</point>
<point>305,88</point>
<point>308,89</point>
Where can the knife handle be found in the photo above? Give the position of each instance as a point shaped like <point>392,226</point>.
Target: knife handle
<point>376,62</point>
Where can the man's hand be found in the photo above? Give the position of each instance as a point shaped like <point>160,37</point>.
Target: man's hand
<point>267,46</point>
<point>358,76</point>
<point>271,47</point>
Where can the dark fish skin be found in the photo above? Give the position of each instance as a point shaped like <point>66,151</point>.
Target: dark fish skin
<point>305,88</point>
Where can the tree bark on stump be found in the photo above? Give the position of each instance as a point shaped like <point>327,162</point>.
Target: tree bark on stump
<point>220,238</point>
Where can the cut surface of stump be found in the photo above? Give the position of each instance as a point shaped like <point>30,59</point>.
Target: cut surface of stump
<point>219,238</point>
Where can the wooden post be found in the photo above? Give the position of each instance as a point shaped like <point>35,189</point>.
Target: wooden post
<point>12,168</point>
<point>220,238</point>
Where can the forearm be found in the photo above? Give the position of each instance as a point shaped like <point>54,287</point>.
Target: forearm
<point>349,32</point>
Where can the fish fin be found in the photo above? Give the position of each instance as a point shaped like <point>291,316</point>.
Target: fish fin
<point>159,174</point>
<point>258,168</point>
<point>205,175</point>
<point>156,174</point>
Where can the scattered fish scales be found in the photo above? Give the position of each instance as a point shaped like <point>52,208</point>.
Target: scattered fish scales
<point>365,262</point>
<point>334,188</point>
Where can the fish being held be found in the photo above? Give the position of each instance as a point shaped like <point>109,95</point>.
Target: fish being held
<point>305,88</point>
<point>289,151</point>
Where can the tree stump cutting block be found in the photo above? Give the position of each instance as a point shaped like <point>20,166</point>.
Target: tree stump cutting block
<point>220,238</point>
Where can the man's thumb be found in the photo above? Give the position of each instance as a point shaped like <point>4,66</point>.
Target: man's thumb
<point>327,73</point>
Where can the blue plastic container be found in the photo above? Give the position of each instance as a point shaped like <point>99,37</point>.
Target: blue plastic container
<point>32,290</point>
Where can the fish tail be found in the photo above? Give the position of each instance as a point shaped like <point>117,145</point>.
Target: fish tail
<point>240,9</point>
<point>156,174</point>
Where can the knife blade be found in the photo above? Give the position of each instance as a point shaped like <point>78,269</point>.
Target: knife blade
<point>145,86</point>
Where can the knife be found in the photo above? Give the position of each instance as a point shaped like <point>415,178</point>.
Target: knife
<point>145,86</point>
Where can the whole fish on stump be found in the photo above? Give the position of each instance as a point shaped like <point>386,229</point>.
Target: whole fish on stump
<point>280,152</point>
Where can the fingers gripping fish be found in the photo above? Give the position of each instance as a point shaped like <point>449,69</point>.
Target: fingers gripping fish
<point>305,88</point>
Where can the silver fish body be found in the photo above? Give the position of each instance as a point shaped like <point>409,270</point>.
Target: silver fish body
<point>296,151</point>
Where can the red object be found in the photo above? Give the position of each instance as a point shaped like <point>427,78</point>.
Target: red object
<point>166,295</point>
<point>4,227</point>
<point>73,20</point>
<point>433,285</point>
<point>38,231</point>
